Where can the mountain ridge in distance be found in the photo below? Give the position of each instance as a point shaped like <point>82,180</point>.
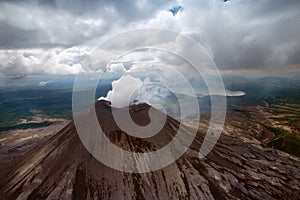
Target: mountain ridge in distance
<point>62,168</point>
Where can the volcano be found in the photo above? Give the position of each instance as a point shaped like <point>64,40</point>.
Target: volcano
<point>62,168</point>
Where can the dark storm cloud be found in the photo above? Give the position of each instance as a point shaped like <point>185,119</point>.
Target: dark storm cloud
<point>240,34</point>
<point>128,10</point>
<point>25,24</point>
<point>255,35</point>
<point>10,33</point>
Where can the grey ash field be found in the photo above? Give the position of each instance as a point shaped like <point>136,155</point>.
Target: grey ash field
<point>256,157</point>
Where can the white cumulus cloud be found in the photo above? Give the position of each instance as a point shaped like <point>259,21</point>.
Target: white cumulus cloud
<point>124,91</point>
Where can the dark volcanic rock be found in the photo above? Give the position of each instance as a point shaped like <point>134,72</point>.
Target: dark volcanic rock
<point>61,168</point>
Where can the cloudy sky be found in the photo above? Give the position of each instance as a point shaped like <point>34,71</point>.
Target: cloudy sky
<point>55,36</point>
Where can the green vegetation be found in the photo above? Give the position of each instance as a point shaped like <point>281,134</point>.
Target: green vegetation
<point>272,90</point>
<point>26,103</point>
<point>297,126</point>
<point>285,141</point>
<point>245,112</point>
<point>26,126</point>
<point>277,131</point>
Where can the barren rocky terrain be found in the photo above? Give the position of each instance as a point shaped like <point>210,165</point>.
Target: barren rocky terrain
<point>58,166</point>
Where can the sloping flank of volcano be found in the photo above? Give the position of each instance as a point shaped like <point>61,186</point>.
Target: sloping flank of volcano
<point>62,168</point>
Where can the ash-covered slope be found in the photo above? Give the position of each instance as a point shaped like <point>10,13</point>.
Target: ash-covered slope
<point>61,168</point>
